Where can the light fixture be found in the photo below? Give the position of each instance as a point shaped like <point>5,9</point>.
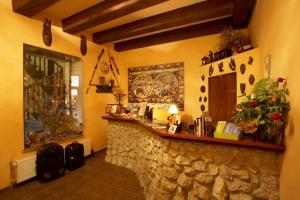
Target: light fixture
<point>173,109</point>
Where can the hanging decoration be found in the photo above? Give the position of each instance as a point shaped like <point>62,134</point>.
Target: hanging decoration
<point>202,108</point>
<point>251,79</point>
<point>202,88</point>
<point>243,68</point>
<point>203,77</point>
<point>83,46</point>
<point>211,70</point>
<point>220,66</point>
<point>250,60</point>
<point>200,99</point>
<point>47,35</point>
<point>205,99</point>
<point>232,64</point>
<point>243,87</point>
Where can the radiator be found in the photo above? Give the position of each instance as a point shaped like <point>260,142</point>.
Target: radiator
<point>24,169</point>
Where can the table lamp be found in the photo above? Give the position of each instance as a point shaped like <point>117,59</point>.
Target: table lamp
<point>173,110</point>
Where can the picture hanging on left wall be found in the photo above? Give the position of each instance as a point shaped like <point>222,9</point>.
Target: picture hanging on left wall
<point>52,96</point>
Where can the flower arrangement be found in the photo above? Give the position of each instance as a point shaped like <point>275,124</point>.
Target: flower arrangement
<point>266,107</point>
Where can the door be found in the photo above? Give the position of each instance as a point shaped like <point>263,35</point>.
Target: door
<point>222,97</point>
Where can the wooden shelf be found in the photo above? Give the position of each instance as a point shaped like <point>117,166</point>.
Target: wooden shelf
<point>246,143</point>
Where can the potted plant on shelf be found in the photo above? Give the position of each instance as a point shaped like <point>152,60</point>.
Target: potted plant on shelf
<point>265,108</point>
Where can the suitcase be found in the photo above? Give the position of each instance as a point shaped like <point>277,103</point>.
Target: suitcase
<point>50,162</point>
<point>74,155</point>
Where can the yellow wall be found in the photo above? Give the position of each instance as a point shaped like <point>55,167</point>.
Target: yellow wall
<point>16,30</point>
<point>190,52</point>
<point>275,29</point>
<point>239,59</point>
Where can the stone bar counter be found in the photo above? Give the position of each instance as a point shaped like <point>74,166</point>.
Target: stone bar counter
<point>182,166</point>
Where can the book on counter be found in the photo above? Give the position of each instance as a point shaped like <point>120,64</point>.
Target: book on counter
<point>227,131</point>
<point>199,126</point>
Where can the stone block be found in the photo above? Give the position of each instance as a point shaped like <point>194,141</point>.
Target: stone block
<point>167,185</point>
<point>189,171</point>
<point>241,174</point>
<point>219,189</point>
<point>170,173</point>
<point>182,160</point>
<point>268,188</point>
<point>239,186</point>
<point>240,196</point>
<point>201,191</point>
<point>185,181</point>
<point>213,169</point>
<point>204,178</point>
<point>225,172</point>
<point>179,194</point>
<point>199,166</point>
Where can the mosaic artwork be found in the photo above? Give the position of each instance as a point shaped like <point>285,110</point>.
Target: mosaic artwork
<point>162,83</point>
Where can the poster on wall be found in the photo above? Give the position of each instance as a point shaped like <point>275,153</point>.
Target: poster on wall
<point>162,83</point>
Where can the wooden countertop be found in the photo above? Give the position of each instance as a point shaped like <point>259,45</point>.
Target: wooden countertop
<point>247,143</point>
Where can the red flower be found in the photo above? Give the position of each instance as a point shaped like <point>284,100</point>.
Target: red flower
<point>279,80</point>
<point>252,104</point>
<point>276,116</point>
<point>272,101</point>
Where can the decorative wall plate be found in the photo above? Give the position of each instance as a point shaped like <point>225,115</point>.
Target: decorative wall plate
<point>200,99</point>
<point>211,70</point>
<point>202,88</point>
<point>104,67</point>
<point>251,79</point>
<point>250,61</point>
<point>203,77</point>
<point>220,66</point>
<point>47,35</point>
<point>232,64</point>
<point>202,107</point>
<point>243,87</point>
<point>243,68</point>
<point>205,99</point>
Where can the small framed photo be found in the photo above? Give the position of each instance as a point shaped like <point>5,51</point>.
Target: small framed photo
<point>172,129</point>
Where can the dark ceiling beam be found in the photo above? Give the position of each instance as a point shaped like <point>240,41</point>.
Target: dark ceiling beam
<point>31,7</point>
<point>242,12</point>
<point>190,14</point>
<point>206,28</point>
<point>103,12</point>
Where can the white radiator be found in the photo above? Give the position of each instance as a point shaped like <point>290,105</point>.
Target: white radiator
<point>24,169</point>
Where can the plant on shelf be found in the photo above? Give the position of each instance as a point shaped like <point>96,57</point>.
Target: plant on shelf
<point>232,39</point>
<point>265,107</point>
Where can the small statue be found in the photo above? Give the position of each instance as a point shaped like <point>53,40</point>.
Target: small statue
<point>211,56</point>
<point>205,60</point>
<point>47,35</point>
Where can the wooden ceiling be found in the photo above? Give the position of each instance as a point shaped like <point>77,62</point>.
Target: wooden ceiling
<point>131,24</point>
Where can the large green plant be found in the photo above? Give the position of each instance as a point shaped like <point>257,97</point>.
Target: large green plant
<point>266,105</point>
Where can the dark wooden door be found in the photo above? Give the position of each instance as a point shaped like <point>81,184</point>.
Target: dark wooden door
<point>222,97</point>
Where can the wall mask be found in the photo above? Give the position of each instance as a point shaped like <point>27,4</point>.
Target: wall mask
<point>47,35</point>
<point>83,46</point>
<point>243,68</point>
<point>211,70</point>
<point>232,64</point>
<point>220,66</point>
<point>251,79</point>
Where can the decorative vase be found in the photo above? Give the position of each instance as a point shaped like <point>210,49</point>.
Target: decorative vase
<point>249,126</point>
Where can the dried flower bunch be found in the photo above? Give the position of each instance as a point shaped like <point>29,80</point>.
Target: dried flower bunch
<point>230,38</point>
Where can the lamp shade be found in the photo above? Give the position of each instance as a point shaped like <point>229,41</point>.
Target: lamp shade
<point>173,109</point>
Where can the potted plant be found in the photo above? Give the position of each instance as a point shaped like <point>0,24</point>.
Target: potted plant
<point>266,107</point>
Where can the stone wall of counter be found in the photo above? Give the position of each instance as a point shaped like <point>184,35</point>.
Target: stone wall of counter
<point>179,170</point>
